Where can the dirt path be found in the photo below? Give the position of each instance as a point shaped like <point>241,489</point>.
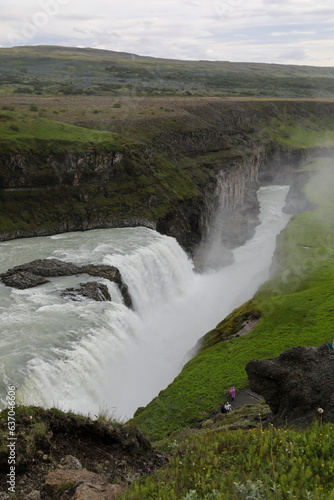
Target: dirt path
<point>244,397</point>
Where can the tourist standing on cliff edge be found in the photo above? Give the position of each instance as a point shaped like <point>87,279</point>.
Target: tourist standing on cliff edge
<point>232,391</point>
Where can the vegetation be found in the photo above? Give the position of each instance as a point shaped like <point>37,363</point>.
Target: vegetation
<point>47,70</point>
<point>21,132</point>
<point>45,438</point>
<point>256,463</point>
<point>35,429</point>
<point>119,197</point>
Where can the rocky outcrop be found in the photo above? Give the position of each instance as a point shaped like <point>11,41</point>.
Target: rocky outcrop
<point>296,200</point>
<point>34,169</point>
<point>296,384</point>
<point>231,211</point>
<point>80,485</point>
<point>36,273</point>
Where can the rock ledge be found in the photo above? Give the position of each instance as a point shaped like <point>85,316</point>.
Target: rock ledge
<point>36,273</point>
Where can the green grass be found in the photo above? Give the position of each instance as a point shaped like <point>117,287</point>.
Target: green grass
<point>310,131</point>
<point>259,463</point>
<point>296,308</point>
<point>21,132</point>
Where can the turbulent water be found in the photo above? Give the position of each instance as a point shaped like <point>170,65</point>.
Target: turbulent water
<point>90,356</point>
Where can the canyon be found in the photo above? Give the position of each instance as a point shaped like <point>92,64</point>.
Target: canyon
<point>169,175</point>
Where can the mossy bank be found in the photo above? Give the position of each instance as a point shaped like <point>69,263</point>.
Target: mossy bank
<point>156,171</point>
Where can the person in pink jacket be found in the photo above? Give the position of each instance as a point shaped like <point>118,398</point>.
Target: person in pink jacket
<point>232,391</point>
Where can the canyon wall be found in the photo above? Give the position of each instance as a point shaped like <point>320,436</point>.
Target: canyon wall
<point>172,179</point>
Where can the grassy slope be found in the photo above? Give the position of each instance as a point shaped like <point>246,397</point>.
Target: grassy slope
<point>25,131</point>
<point>219,463</point>
<point>296,307</point>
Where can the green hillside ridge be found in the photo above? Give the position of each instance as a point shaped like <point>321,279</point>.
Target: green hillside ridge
<point>295,306</point>
<point>28,127</point>
<point>51,70</point>
<point>140,187</point>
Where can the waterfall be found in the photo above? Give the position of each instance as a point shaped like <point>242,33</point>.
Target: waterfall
<point>85,355</point>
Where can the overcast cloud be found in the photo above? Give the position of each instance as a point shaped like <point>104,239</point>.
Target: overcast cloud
<point>285,31</point>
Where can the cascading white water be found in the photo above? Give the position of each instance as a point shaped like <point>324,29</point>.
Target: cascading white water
<point>85,355</point>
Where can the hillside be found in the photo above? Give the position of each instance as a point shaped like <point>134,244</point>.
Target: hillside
<point>237,456</point>
<point>48,70</point>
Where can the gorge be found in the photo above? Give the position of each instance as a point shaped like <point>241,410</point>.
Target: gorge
<point>161,173</point>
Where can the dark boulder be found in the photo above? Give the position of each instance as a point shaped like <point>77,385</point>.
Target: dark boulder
<point>296,384</point>
<point>22,279</point>
<point>36,273</point>
<point>91,290</point>
<point>110,273</point>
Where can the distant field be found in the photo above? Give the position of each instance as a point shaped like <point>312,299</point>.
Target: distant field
<point>47,70</point>
<point>103,112</point>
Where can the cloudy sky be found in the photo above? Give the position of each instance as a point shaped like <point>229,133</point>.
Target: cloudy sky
<point>282,31</point>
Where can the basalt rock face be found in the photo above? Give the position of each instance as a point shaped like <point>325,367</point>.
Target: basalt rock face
<point>36,273</point>
<point>297,201</point>
<point>33,170</point>
<point>296,384</point>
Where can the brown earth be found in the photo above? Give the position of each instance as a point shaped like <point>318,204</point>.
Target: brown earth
<point>52,441</point>
<point>93,111</point>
